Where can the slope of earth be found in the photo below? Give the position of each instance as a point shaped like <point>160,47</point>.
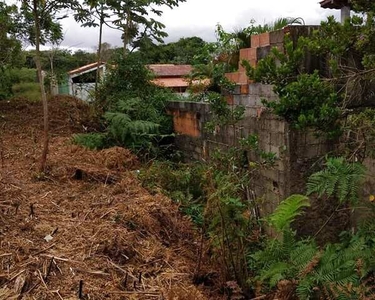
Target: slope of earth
<point>87,229</point>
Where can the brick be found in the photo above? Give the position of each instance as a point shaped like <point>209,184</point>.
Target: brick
<point>252,54</point>
<point>234,77</point>
<point>253,63</point>
<point>249,54</point>
<point>242,78</point>
<point>264,39</point>
<point>229,99</point>
<point>255,41</point>
<point>244,89</point>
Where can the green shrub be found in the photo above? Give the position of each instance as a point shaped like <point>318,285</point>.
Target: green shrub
<point>338,271</point>
<point>134,108</point>
<point>23,75</point>
<point>91,140</point>
<point>29,90</point>
<point>183,183</point>
<point>5,84</point>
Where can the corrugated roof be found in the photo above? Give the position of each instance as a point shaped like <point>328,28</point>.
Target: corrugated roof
<point>335,4</point>
<point>85,68</point>
<point>169,70</point>
<point>171,82</point>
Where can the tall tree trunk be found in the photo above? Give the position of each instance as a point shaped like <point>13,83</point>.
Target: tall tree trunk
<point>52,83</point>
<point>43,158</point>
<point>99,54</point>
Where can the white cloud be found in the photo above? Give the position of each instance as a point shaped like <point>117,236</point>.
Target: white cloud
<point>199,17</point>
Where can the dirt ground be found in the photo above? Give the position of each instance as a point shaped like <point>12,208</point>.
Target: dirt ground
<point>88,227</point>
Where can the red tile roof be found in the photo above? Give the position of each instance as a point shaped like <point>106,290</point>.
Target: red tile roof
<point>169,70</point>
<point>171,82</point>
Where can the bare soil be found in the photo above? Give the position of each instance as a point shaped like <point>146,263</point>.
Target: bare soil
<point>87,227</point>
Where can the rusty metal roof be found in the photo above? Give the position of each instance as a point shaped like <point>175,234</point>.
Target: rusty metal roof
<point>334,4</point>
<point>86,68</point>
<point>170,70</point>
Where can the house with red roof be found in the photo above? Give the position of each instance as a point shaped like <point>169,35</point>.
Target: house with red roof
<point>172,76</point>
<point>81,81</point>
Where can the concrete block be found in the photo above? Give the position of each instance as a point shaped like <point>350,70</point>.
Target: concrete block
<point>275,149</point>
<point>277,37</point>
<point>277,139</point>
<point>250,112</point>
<point>266,90</point>
<point>280,166</point>
<point>271,174</point>
<point>263,52</point>
<point>255,89</point>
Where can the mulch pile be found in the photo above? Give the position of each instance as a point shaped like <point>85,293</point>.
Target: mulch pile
<point>88,229</point>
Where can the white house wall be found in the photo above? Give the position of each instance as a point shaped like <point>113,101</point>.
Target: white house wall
<point>83,91</point>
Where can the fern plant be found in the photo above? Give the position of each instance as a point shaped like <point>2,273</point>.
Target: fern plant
<point>340,179</point>
<point>339,271</point>
<point>134,134</point>
<point>287,211</point>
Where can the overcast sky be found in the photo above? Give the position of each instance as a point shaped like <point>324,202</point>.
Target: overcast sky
<point>199,17</point>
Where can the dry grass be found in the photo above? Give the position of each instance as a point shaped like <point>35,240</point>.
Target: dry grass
<point>107,231</point>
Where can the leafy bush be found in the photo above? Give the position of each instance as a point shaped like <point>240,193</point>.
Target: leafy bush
<point>23,75</point>
<point>134,110</point>
<point>339,271</point>
<point>183,183</point>
<point>29,90</point>
<point>91,140</point>
<point>5,84</point>
<point>305,100</point>
<point>309,102</point>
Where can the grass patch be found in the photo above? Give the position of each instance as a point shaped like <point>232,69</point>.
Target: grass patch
<point>29,90</point>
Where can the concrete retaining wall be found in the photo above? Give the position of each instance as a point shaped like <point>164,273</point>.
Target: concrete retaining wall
<point>293,149</point>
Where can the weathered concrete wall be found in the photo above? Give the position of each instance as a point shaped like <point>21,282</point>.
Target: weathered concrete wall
<point>274,134</point>
<point>297,153</point>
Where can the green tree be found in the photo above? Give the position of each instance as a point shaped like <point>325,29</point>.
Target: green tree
<point>40,25</point>
<point>10,46</point>
<point>184,51</point>
<point>132,18</point>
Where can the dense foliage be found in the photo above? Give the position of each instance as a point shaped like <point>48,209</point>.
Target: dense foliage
<point>185,51</point>
<point>10,47</point>
<point>214,196</point>
<point>322,99</point>
<point>134,109</point>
